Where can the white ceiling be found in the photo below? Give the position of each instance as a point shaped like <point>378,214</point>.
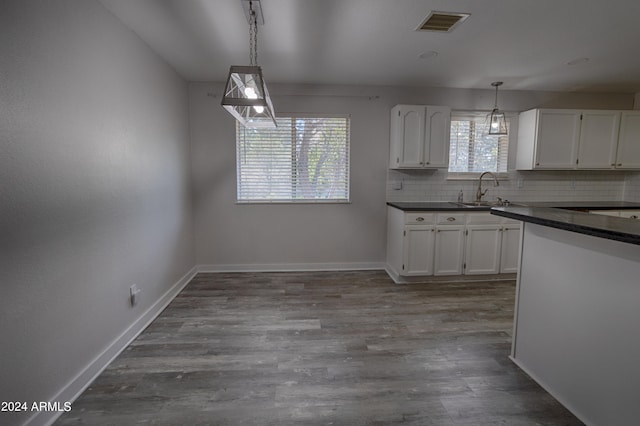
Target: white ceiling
<point>525,43</point>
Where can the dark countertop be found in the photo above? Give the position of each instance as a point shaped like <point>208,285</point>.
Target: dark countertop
<point>585,205</point>
<point>571,205</point>
<point>426,206</point>
<point>609,227</point>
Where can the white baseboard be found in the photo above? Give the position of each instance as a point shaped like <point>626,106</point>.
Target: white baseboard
<point>292,267</point>
<point>430,279</point>
<point>78,384</point>
<point>393,274</point>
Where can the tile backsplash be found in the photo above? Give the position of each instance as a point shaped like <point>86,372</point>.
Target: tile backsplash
<point>432,185</point>
<point>632,188</point>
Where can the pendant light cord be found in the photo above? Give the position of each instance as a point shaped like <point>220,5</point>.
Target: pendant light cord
<point>253,35</point>
<point>496,84</point>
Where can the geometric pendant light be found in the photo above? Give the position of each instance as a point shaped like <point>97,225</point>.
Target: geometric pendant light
<point>497,121</point>
<point>245,95</point>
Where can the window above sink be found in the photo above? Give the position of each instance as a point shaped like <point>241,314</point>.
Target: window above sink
<point>473,151</point>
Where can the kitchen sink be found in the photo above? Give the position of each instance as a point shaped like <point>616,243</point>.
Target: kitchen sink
<point>488,204</point>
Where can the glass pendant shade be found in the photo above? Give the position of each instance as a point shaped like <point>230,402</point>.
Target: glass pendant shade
<point>497,123</point>
<point>246,97</point>
<point>497,120</point>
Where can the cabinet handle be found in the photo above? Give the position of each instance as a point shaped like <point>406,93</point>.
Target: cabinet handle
<point>613,164</point>
<point>635,216</point>
<point>537,164</point>
<point>419,219</point>
<point>619,164</point>
<point>428,162</point>
<point>451,219</point>
<point>438,230</point>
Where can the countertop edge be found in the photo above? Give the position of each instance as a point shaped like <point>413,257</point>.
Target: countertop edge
<point>536,215</point>
<point>434,206</point>
<point>576,205</point>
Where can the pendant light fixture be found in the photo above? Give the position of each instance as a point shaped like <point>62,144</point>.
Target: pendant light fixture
<point>497,120</point>
<point>245,95</point>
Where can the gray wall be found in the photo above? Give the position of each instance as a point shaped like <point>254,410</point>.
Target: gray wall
<point>265,236</point>
<point>94,190</point>
<point>257,236</point>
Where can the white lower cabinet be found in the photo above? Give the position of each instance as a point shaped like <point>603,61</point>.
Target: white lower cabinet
<point>510,250</point>
<point>449,250</point>
<point>483,249</point>
<point>451,243</point>
<point>418,250</point>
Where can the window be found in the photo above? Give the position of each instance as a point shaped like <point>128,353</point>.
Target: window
<point>305,159</point>
<point>472,150</point>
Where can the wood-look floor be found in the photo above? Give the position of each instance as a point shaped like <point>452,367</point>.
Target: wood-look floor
<point>329,348</point>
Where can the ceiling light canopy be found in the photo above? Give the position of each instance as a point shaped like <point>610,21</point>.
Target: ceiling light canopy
<point>429,54</point>
<point>497,119</point>
<point>245,95</point>
<point>578,61</point>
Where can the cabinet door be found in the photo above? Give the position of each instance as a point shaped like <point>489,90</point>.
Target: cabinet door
<point>482,251</point>
<point>449,250</point>
<point>510,249</point>
<point>438,132</point>
<point>598,139</point>
<point>407,136</point>
<point>557,135</point>
<point>628,156</point>
<point>418,250</point>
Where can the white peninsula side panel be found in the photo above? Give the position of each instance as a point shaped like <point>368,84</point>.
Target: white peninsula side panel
<point>577,329</point>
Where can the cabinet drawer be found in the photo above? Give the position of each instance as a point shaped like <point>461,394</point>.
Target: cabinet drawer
<point>450,218</point>
<point>482,219</point>
<point>418,218</point>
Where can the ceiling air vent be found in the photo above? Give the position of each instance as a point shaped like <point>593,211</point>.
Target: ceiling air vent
<point>442,21</point>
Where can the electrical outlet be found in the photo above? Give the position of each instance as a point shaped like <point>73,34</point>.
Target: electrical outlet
<point>134,291</point>
<point>520,183</point>
<point>397,186</point>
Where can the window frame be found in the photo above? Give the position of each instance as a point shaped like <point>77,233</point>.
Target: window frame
<point>458,115</point>
<point>280,201</point>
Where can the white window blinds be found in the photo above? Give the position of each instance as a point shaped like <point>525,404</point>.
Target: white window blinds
<point>304,159</point>
<point>472,150</point>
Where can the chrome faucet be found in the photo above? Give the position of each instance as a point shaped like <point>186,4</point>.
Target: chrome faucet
<point>479,192</point>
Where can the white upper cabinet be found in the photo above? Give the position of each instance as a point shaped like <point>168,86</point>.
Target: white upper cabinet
<point>598,139</point>
<point>548,139</point>
<point>419,136</point>
<point>438,132</point>
<point>628,156</point>
<point>577,139</point>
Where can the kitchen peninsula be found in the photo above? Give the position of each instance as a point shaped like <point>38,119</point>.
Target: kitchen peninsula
<point>577,310</point>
